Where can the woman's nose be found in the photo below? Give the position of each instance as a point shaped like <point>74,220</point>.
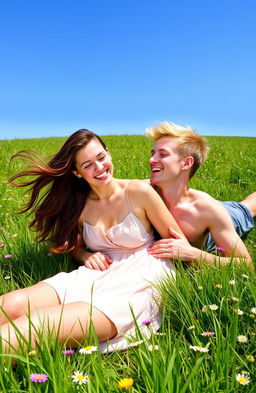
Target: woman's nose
<point>98,165</point>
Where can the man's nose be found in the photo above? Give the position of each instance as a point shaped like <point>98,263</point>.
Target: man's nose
<point>152,158</point>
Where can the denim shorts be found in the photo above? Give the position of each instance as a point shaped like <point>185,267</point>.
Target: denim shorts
<point>242,220</point>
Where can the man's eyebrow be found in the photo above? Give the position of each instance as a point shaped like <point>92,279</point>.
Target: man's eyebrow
<point>161,149</point>
<point>90,160</point>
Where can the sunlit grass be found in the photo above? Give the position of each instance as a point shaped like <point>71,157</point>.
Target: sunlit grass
<point>165,362</point>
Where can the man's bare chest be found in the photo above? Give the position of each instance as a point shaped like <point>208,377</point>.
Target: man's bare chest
<point>191,223</point>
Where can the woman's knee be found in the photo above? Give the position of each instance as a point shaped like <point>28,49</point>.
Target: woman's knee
<point>14,304</point>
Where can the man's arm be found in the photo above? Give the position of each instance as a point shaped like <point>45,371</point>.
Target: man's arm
<point>219,223</point>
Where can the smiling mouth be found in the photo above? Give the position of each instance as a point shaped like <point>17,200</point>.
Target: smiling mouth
<point>102,175</point>
<point>155,170</point>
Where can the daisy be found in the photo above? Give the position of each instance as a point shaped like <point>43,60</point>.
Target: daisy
<point>153,347</point>
<point>238,311</point>
<point>192,327</point>
<point>245,276</point>
<point>243,379</point>
<point>38,378</point>
<point>136,343</point>
<point>80,378</point>
<point>250,358</point>
<point>198,348</point>
<point>125,383</point>
<point>218,286</point>
<point>207,334</point>
<point>88,350</point>
<point>235,299</point>
<point>253,310</point>
<point>242,339</point>
<point>213,307</point>
<point>232,282</point>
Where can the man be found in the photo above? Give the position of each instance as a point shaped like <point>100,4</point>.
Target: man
<point>176,155</point>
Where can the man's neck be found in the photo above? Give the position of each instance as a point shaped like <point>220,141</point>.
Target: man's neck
<point>173,193</point>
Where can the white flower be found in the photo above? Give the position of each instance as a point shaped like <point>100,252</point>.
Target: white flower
<point>253,310</point>
<point>243,379</point>
<point>213,307</point>
<point>80,378</point>
<point>198,348</point>
<point>232,282</point>
<point>153,347</point>
<point>238,311</point>
<point>135,343</point>
<point>88,350</point>
<point>242,339</point>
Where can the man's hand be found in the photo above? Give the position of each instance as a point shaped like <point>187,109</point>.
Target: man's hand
<point>98,261</point>
<point>176,248</point>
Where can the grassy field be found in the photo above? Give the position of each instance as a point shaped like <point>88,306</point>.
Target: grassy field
<point>179,359</point>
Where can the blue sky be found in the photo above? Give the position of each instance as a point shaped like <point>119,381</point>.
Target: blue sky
<point>117,67</point>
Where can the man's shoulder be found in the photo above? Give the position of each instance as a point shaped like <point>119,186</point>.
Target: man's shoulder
<point>204,202</point>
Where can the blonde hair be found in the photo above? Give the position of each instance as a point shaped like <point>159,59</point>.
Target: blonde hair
<point>189,143</point>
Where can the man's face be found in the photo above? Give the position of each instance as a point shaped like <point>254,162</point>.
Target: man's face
<point>165,162</point>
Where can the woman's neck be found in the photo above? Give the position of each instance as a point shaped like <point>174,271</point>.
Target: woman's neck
<point>104,192</point>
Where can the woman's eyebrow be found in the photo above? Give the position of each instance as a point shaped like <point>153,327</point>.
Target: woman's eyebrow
<point>90,160</point>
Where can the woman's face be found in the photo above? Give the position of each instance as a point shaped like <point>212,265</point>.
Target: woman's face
<point>94,164</point>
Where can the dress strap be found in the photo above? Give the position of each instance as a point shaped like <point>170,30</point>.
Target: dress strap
<point>127,196</point>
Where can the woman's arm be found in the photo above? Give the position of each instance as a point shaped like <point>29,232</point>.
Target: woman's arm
<point>97,260</point>
<point>145,199</point>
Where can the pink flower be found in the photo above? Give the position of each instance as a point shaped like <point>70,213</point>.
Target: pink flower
<point>207,334</point>
<point>220,249</point>
<point>68,352</point>
<point>1,245</point>
<point>38,377</point>
<point>147,322</point>
<point>8,256</point>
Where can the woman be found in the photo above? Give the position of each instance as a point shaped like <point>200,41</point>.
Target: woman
<point>106,224</point>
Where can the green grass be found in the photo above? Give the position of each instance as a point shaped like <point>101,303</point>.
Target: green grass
<point>228,174</point>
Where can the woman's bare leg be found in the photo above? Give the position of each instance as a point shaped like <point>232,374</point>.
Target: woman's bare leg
<point>69,323</point>
<point>19,302</point>
<point>250,202</point>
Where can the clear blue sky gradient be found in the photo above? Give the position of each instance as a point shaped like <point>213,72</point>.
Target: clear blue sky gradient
<point>117,67</point>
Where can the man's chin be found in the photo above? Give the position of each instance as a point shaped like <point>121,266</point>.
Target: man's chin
<point>153,181</point>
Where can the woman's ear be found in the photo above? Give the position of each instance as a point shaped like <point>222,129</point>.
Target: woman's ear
<point>188,163</point>
<point>76,174</point>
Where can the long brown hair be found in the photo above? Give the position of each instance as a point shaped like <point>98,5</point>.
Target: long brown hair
<point>57,207</point>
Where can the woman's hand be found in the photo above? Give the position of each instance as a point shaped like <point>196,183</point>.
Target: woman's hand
<point>176,248</point>
<point>98,261</point>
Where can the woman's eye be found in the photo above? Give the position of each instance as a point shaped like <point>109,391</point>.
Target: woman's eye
<point>87,166</point>
<point>101,158</point>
